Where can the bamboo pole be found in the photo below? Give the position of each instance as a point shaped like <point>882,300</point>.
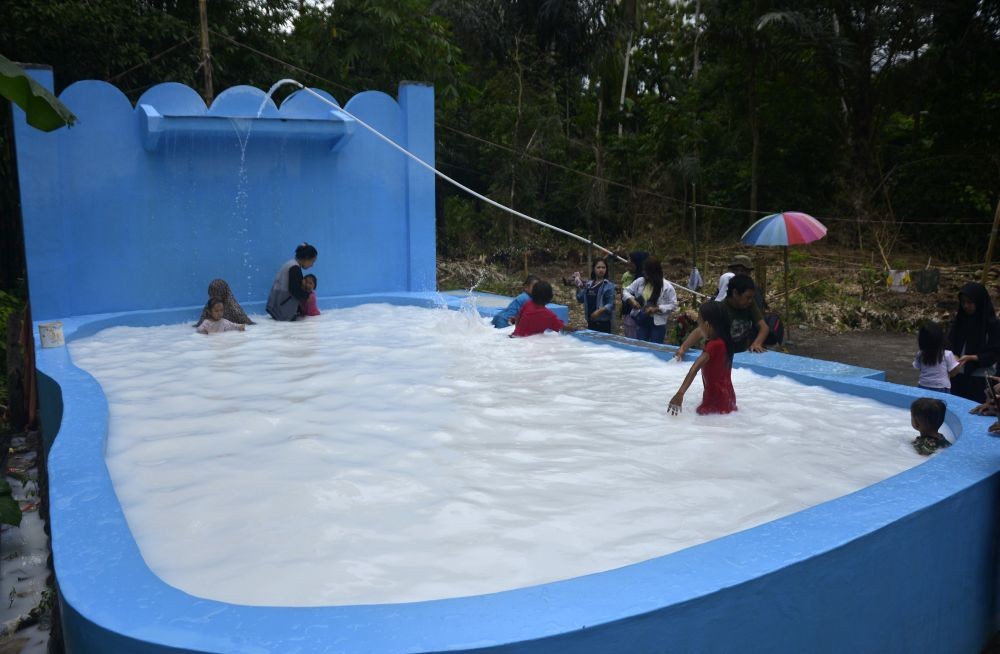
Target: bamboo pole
<point>993,240</point>
<point>206,55</point>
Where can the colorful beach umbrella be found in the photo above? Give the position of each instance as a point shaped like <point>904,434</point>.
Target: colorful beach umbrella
<point>785,228</point>
<point>781,230</point>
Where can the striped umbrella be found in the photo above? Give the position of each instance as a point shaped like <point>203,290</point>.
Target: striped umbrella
<point>785,228</point>
<point>781,230</point>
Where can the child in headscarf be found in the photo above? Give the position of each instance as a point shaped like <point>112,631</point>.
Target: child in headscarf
<point>219,290</point>
<point>974,336</point>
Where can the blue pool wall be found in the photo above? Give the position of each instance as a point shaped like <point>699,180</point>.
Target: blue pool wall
<point>139,207</point>
<point>905,565</point>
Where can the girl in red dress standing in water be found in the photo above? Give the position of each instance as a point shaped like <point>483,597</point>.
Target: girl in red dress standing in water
<point>715,363</point>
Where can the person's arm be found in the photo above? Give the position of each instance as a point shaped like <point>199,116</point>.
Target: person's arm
<point>668,298</point>
<point>581,294</point>
<point>674,407</point>
<point>629,294</point>
<point>692,338</point>
<point>295,284</point>
<point>762,329</point>
<point>991,348</point>
<point>607,302</point>
<point>202,328</point>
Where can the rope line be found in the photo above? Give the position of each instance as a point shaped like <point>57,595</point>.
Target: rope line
<point>186,40</point>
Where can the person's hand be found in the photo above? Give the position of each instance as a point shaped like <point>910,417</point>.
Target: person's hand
<point>679,355</point>
<point>674,406</point>
<point>243,328</point>
<point>650,310</point>
<point>594,317</point>
<point>994,428</point>
<point>965,358</point>
<point>756,348</point>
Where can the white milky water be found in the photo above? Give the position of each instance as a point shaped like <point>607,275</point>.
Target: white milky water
<point>390,454</point>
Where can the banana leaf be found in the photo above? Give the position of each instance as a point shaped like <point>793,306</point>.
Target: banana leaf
<point>44,111</point>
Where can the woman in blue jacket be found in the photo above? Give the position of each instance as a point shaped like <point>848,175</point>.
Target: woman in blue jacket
<point>598,298</point>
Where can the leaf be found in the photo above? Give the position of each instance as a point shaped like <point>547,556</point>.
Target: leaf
<point>44,111</point>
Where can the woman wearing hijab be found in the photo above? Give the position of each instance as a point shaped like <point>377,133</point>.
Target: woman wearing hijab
<point>219,291</point>
<point>975,332</point>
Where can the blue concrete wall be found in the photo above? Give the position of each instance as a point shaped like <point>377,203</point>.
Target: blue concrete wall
<point>906,565</point>
<point>140,207</point>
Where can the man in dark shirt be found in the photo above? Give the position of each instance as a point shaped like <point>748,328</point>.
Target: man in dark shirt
<point>746,322</point>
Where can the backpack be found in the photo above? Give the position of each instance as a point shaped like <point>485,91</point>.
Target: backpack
<point>776,327</point>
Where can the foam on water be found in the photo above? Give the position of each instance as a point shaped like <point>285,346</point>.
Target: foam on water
<point>387,454</point>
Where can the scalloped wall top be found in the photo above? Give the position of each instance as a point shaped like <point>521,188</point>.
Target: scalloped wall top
<point>174,99</point>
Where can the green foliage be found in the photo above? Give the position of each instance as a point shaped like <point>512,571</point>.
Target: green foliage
<point>851,110</point>
<point>10,512</point>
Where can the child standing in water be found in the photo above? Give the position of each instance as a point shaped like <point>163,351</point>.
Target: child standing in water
<point>215,322</point>
<point>715,363</point>
<point>308,306</point>
<point>927,416</point>
<point>936,364</point>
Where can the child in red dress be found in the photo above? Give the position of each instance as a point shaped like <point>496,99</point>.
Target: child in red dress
<point>535,317</point>
<point>715,363</point>
<point>308,306</point>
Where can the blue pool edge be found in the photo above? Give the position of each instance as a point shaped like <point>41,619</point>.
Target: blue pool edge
<point>907,564</point>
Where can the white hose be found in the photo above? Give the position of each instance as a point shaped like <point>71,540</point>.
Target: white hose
<point>454,182</point>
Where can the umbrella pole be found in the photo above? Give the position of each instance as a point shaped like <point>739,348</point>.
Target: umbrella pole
<point>788,315</point>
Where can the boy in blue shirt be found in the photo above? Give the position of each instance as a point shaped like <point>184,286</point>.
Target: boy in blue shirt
<point>509,315</point>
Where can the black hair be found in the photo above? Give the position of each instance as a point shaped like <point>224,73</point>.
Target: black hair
<point>929,412</point>
<point>716,315</point>
<point>305,252</point>
<point>531,279</point>
<point>312,277</point>
<point>930,340</point>
<point>652,272</point>
<point>593,268</point>
<point>541,294</point>
<point>740,284</point>
<point>638,258</point>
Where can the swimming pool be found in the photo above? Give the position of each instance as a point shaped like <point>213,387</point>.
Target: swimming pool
<point>839,575</point>
<point>321,463</point>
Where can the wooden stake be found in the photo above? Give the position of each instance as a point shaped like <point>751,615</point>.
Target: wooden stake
<point>206,55</point>
<point>788,315</point>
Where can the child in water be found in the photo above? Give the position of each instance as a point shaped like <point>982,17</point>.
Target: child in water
<point>215,322</point>
<point>715,363</point>
<point>509,315</point>
<point>535,317</point>
<point>308,306</point>
<point>927,416</point>
<point>936,364</point>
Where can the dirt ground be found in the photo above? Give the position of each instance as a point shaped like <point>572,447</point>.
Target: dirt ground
<point>881,350</point>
